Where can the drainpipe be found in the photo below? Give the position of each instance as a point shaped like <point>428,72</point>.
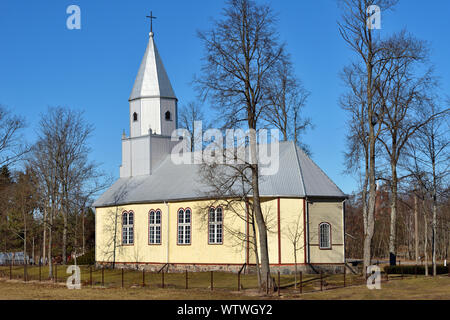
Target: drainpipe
<point>168,228</point>
<point>307,230</point>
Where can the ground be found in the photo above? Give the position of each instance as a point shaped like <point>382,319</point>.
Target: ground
<point>409,288</point>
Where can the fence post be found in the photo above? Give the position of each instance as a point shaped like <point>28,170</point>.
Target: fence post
<point>212,280</point>
<point>90,276</point>
<point>321,280</point>
<point>186,279</point>
<point>387,276</point>
<point>279,283</point>
<point>162,279</point>
<point>401,268</point>
<point>10,269</point>
<point>122,278</point>
<point>344,278</point>
<point>267,283</point>
<point>56,273</point>
<point>103,276</point>
<point>239,281</point>
<point>301,282</point>
<point>40,276</point>
<point>25,272</point>
<point>143,278</point>
<point>415,271</point>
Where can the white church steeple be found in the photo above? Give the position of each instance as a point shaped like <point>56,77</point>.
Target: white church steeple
<point>153,117</point>
<point>153,104</point>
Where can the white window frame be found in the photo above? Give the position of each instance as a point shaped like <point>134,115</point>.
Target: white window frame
<point>184,232</point>
<point>324,235</point>
<point>127,228</point>
<point>215,226</point>
<point>154,227</point>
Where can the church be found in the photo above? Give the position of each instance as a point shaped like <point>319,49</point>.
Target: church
<point>153,216</point>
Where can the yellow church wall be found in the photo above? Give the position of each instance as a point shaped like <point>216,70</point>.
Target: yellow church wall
<point>331,212</point>
<point>291,222</point>
<point>233,250</point>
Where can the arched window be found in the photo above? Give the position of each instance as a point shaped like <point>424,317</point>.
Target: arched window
<point>324,235</point>
<point>128,228</point>
<point>135,117</point>
<point>184,226</point>
<point>154,227</point>
<point>215,226</point>
<point>168,116</point>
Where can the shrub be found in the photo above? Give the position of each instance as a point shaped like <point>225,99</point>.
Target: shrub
<point>410,269</point>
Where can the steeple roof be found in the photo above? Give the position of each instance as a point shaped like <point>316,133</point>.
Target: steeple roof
<point>152,79</point>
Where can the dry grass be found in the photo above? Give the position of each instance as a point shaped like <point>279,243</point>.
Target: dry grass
<point>411,288</point>
<point>225,287</point>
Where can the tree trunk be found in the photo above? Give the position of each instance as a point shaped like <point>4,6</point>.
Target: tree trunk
<point>115,239</point>
<point>262,230</point>
<point>370,162</point>
<point>433,235</point>
<point>393,229</point>
<point>434,223</point>
<point>25,260</point>
<point>44,235</point>
<point>425,243</point>
<point>32,250</point>
<point>49,253</point>
<point>83,236</point>
<point>295,265</point>
<point>416,230</point>
<point>64,244</point>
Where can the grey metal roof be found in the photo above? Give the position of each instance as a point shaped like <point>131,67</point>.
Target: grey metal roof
<point>152,79</point>
<point>298,176</point>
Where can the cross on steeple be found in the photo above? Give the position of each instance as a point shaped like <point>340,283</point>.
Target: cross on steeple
<point>151,17</point>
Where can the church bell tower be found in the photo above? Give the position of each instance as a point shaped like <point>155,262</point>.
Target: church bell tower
<point>153,117</point>
<point>153,104</point>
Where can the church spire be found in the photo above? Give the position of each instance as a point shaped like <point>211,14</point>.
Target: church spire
<point>152,79</point>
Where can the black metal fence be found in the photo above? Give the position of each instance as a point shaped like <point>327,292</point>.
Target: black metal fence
<point>213,280</point>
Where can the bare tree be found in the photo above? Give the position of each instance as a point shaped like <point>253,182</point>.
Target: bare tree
<point>362,78</point>
<point>41,160</point>
<point>188,116</point>
<point>287,99</point>
<point>295,235</point>
<point>402,93</point>
<point>229,187</point>
<point>21,208</point>
<point>67,131</point>
<point>12,146</point>
<point>65,175</point>
<point>110,228</point>
<point>241,52</point>
<point>429,153</point>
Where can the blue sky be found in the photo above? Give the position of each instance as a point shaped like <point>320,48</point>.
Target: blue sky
<point>42,63</point>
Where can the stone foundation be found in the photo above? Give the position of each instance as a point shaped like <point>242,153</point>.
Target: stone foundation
<point>249,269</point>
